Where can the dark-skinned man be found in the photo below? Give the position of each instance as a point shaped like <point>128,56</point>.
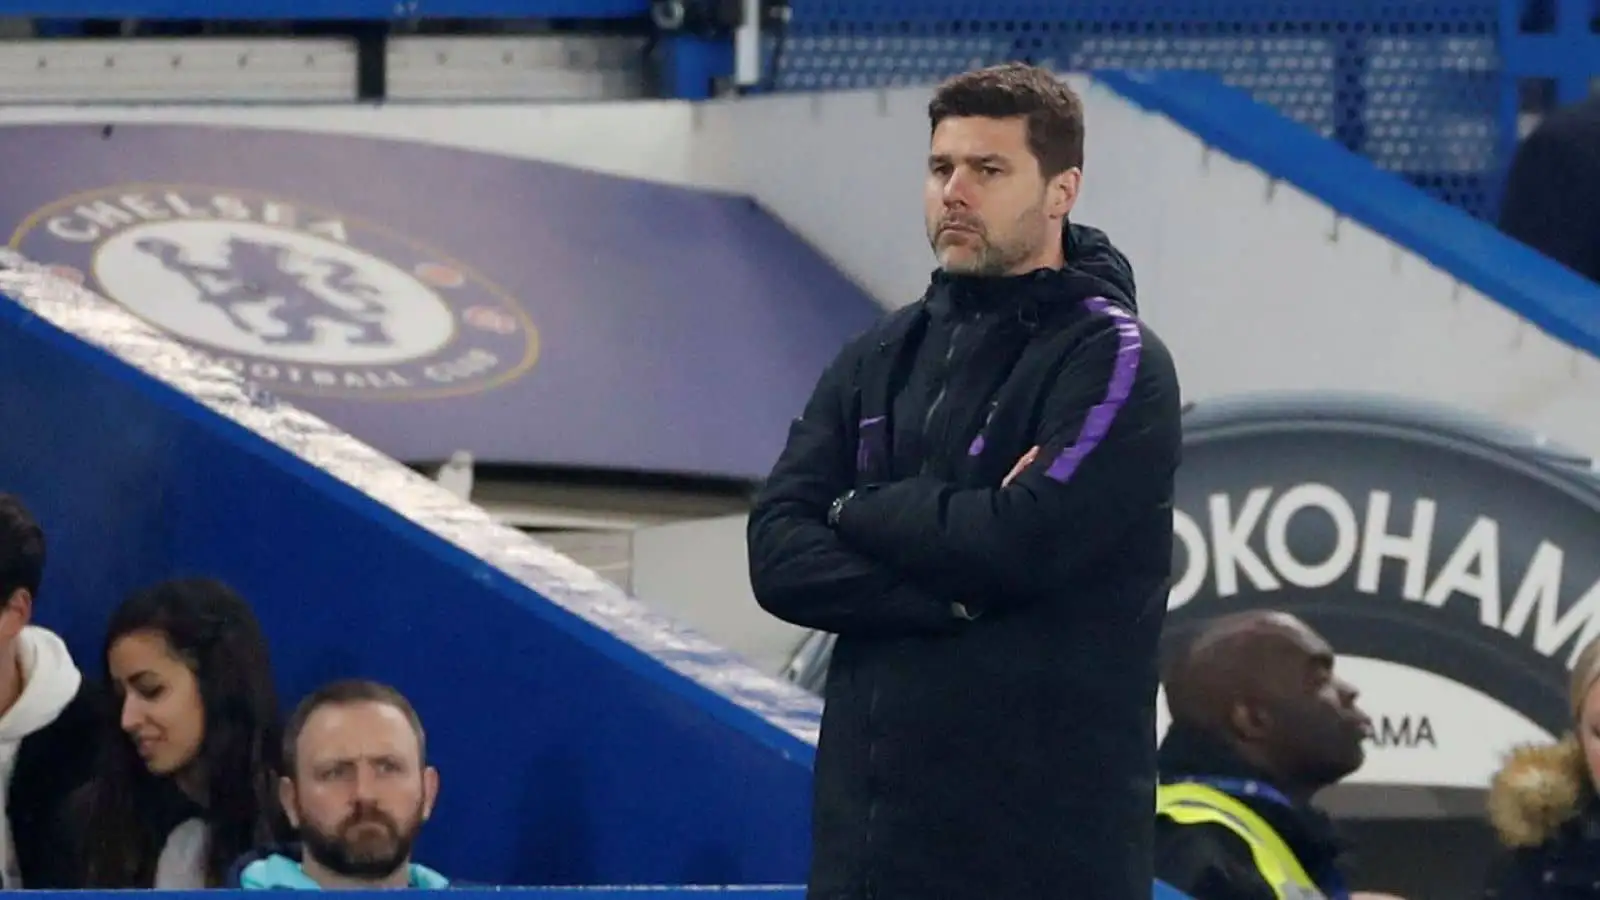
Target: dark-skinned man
<point>1260,724</point>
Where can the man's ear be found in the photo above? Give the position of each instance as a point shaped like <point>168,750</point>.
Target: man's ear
<point>1061,194</point>
<point>288,800</point>
<point>430,791</point>
<point>1250,721</point>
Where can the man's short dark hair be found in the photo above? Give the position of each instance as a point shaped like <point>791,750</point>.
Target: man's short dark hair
<point>21,549</point>
<point>1053,111</point>
<point>348,692</point>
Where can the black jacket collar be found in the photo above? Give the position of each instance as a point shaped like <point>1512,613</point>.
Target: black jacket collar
<point>1579,837</point>
<point>1006,296</point>
<point>1094,268</point>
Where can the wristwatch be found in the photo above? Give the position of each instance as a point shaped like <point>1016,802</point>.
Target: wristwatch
<point>838,507</point>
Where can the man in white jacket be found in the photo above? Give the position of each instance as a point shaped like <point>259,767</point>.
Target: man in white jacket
<point>48,722</point>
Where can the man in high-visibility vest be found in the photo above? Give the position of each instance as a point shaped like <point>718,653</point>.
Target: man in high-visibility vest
<point>1260,723</point>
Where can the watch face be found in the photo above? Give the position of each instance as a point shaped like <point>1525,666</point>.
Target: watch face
<point>836,508</point>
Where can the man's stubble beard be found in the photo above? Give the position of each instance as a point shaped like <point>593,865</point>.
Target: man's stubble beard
<point>337,854</point>
<point>993,259</point>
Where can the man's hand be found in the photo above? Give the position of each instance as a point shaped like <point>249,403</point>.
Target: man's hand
<point>1023,463</point>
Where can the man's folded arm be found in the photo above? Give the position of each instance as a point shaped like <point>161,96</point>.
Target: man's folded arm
<point>1110,443</point>
<point>799,569</point>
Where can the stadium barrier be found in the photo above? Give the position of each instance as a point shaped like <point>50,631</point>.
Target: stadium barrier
<point>580,738</point>
<point>1431,92</point>
<point>1560,302</point>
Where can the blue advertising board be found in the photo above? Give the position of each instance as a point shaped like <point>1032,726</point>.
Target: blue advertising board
<point>429,299</point>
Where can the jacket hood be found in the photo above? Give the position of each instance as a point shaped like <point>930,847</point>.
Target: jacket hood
<point>1094,268</point>
<point>1539,789</point>
<point>50,681</point>
<point>1091,252</point>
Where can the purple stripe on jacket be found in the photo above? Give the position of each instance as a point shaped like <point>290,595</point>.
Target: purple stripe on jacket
<point>1123,371</point>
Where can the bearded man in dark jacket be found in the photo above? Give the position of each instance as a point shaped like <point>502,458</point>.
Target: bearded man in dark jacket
<point>977,499</point>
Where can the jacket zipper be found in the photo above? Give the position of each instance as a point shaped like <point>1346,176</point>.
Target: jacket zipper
<point>928,444</point>
<point>871,873</point>
<point>870,879</point>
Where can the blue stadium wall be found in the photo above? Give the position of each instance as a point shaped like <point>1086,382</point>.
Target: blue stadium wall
<point>568,755</point>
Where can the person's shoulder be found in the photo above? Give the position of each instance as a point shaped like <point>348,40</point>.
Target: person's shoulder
<point>888,330</point>
<point>61,756</point>
<point>81,717</point>
<point>889,326</point>
<point>1087,307</point>
<point>1563,143</point>
<point>1579,120</point>
<point>430,879</point>
<point>1101,332</point>
<point>1204,842</point>
<point>84,715</point>
<point>1134,337</point>
<point>233,880</point>
<point>1517,874</point>
<point>1206,861</point>
<point>1119,322</point>
<point>274,867</point>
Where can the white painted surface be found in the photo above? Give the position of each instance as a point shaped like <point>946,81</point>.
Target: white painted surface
<point>695,571</point>
<point>644,139</point>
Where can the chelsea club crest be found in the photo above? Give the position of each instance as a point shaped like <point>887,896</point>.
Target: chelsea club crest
<point>298,299</point>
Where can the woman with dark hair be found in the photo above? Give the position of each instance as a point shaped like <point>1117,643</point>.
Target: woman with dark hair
<point>189,780</point>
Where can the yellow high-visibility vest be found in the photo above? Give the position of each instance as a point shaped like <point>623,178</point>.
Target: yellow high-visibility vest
<point>1187,803</point>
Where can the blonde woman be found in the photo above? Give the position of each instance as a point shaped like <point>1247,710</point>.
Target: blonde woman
<point>1544,807</point>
